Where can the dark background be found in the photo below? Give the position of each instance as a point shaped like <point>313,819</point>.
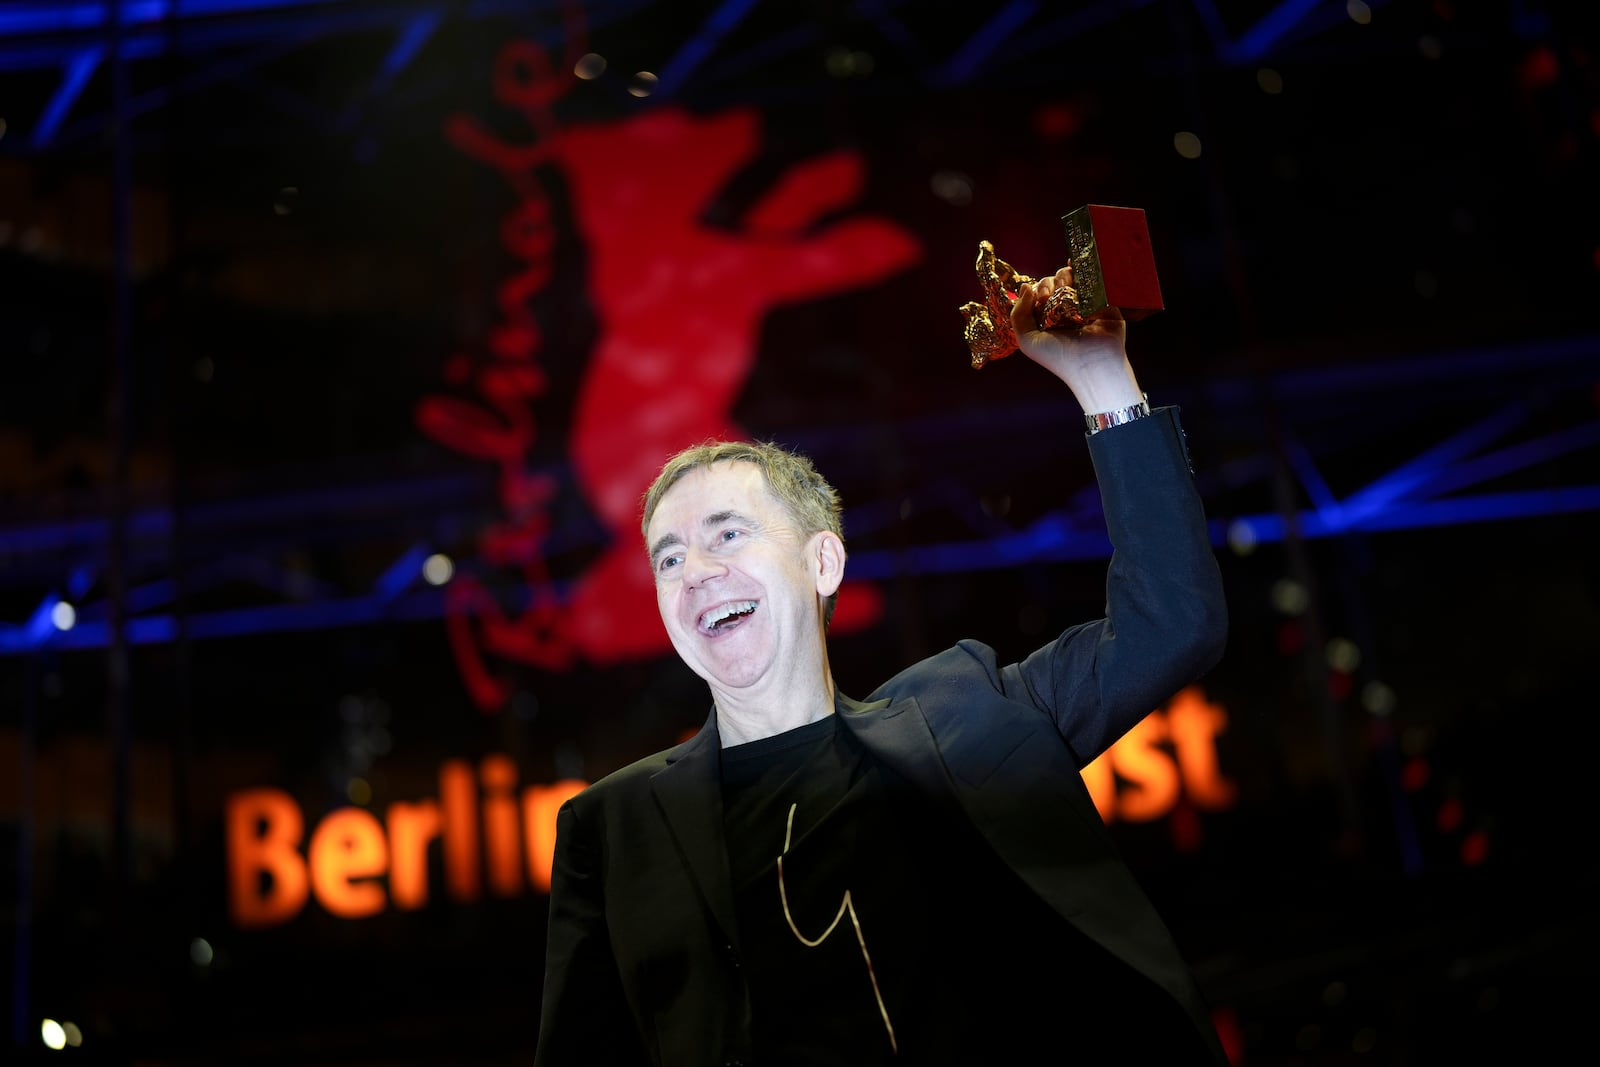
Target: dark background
<point>243,250</point>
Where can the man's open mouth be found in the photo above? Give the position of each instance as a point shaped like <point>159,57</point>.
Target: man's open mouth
<point>726,616</point>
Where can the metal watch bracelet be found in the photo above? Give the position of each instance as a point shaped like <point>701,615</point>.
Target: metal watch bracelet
<point>1101,420</point>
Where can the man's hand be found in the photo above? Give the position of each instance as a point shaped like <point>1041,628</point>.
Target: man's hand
<point>1092,359</point>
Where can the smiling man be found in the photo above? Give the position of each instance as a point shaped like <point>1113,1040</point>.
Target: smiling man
<point>919,877</point>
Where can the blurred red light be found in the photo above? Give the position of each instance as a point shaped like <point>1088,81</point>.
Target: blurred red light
<point>1449,816</point>
<point>1475,849</point>
<point>1415,774</point>
<point>1539,69</point>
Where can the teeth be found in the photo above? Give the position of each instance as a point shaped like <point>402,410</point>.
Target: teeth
<point>719,615</point>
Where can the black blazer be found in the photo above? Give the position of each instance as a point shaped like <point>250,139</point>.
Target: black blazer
<point>642,961</point>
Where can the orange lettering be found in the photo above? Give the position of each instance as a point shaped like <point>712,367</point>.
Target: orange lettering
<point>499,776</point>
<point>1102,784</point>
<point>1150,772</point>
<point>539,807</point>
<point>411,827</point>
<point>1136,778</point>
<point>348,845</point>
<point>1195,723</point>
<point>456,795</point>
<point>263,832</point>
<point>351,852</point>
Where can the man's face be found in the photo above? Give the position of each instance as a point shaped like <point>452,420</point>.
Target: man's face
<point>738,585</point>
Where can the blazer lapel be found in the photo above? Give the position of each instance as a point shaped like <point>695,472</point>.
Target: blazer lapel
<point>689,790</point>
<point>896,732</point>
<point>991,765</point>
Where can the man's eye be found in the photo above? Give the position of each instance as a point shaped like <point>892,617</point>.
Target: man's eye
<point>667,563</point>
<point>729,535</point>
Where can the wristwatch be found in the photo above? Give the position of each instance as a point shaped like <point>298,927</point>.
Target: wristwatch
<point>1100,420</point>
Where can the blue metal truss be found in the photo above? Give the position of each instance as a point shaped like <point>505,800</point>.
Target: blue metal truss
<point>78,39</point>
<point>1454,482</point>
<point>228,38</point>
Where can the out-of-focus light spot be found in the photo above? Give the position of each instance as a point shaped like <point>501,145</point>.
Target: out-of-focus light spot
<point>643,84</point>
<point>52,1034</point>
<point>1308,1037</point>
<point>286,201</point>
<point>995,506</point>
<point>1342,654</point>
<point>905,509</point>
<point>458,369</point>
<point>1291,638</point>
<point>1270,81</point>
<point>1226,1021</point>
<point>63,616</point>
<point>1448,817</point>
<point>589,66</point>
<point>1359,13</point>
<point>1366,1040</point>
<point>1377,698</point>
<point>359,790</point>
<point>2,129</point>
<point>1430,46</point>
<point>1187,144</point>
<point>1057,121</point>
<point>1333,993</point>
<point>1184,825</point>
<point>1488,998</point>
<point>844,63</point>
<point>1427,285</point>
<point>1290,597</point>
<point>952,186</point>
<point>73,1034</point>
<point>1241,537</point>
<point>1414,774</point>
<point>1339,685</point>
<point>1415,741</point>
<point>1475,849</point>
<point>204,369</point>
<point>437,569</point>
<point>200,952</point>
<point>1540,69</point>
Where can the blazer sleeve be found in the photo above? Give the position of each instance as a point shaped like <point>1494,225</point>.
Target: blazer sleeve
<point>1166,620</point>
<point>585,1017</point>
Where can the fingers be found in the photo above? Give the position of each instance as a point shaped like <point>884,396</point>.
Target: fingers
<point>1022,318</point>
<point>1061,279</point>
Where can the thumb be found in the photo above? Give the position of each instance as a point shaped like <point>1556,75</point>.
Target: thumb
<point>1022,318</point>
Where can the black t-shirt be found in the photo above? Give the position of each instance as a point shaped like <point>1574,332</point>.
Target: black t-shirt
<point>895,935</point>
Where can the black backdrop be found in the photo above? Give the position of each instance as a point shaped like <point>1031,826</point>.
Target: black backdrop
<point>226,296</point>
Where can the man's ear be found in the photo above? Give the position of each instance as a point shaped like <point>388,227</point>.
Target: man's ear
<point>828,556</point>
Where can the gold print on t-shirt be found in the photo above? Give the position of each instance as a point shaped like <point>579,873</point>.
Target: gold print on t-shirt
<point>845,906</point>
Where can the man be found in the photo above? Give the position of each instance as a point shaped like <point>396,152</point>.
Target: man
<point>917,878</point>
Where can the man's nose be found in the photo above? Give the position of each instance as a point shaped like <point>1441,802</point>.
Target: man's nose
<point>701,566</point>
